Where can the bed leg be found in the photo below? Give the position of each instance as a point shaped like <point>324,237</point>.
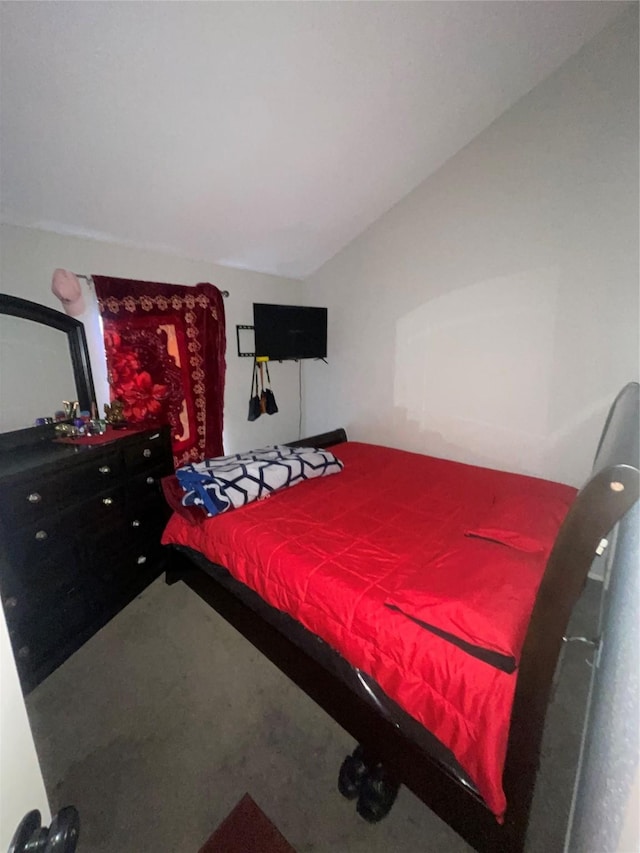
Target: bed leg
<point>177,566</point>
<point>364,777</point>
<point>171,577</point>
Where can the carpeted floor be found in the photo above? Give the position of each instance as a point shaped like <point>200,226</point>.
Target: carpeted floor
<point>162,721</point>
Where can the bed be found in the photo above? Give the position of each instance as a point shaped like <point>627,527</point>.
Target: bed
<point>442,676</point>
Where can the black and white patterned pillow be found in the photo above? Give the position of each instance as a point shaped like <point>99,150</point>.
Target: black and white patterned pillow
<point>227,482</point>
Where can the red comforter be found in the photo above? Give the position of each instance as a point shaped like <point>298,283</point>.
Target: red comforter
<point>421,572</point>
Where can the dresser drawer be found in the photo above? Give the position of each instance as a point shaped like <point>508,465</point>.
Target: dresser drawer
<point>35,496</point>
<point>145,452</point>
<point>143,486</point>
<point>54,534</point>
<point>148,520</point>
<point>48,571</point>
<point>40,629</point>
<point>34,499</point>
<point>43,618</point>
<point>115,566</point>
<point>33,546</point>
<point>141,529</point>
<point>102,513</point>
<point>120,571</point>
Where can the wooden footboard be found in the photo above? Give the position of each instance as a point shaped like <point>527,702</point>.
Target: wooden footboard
<point>599,506</point>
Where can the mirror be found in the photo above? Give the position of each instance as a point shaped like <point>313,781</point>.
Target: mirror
<point>35,372</point>
<point>43,361</point>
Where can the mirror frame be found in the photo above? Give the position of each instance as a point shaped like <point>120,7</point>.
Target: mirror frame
<point>80,364</point>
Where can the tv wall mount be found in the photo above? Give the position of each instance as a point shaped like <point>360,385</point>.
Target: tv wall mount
<point>241,352</point>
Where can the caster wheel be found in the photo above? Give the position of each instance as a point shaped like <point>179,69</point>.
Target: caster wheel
<point>352,774</point>
<point>26,835</point>
<point>60,837</point>
<point>64,831</point>
<point>377,794</point>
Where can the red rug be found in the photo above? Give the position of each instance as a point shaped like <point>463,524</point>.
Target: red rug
<point>247,829</point>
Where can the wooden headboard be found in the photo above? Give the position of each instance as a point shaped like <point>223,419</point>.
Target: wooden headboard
<point>325,439</point>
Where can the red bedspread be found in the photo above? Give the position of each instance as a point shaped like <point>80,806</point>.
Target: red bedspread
<point>386,562</point>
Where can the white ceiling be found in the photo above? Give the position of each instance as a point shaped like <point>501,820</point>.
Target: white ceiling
<point>255,134</point>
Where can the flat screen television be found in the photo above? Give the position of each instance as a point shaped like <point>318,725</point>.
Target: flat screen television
<point>289,331</point>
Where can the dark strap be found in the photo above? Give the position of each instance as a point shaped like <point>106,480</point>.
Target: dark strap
<point>506,663</point>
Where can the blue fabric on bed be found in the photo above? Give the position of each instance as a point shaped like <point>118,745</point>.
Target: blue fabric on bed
<point>226,482</point>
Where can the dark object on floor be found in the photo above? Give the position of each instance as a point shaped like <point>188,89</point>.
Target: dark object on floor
<point>247,829</point>
<point>60,837</point>
<point>377,794</point>
<point>352,774</point>
<point>366,779</point>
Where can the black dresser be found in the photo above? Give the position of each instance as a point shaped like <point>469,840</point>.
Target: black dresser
<point>80,534</point>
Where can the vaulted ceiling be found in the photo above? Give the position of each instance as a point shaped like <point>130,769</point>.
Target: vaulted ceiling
<point>262,135</point>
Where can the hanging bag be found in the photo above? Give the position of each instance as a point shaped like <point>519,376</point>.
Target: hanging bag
<point>254,401</point>
<point>263,393</point>
<point>271,405</point>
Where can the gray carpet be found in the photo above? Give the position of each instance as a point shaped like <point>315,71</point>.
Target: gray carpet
<point>163,720</point>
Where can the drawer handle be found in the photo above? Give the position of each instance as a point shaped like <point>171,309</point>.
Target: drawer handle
<point>141,559</point>
<point>41,535</point>
<point>135,523</point>
<point>11,602</point>
<point>34,498</point>
<point>23,652</point>
<point>107,501</point>
<point>104,469</point>
<point>150,481</point>
<point>146,453</point>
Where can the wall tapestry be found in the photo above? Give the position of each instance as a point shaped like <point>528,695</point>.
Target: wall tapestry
<point>165,347</point>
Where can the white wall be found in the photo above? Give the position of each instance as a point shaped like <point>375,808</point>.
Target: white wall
<point>21,785</point>
<point>28,258</point>
<point>492,315</point>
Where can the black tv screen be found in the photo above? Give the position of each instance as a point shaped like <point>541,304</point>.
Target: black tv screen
<point>289,331</point>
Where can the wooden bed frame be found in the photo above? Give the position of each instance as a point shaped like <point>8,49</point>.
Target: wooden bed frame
<point>612,489</point>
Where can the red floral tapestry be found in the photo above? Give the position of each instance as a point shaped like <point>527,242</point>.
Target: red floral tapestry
<point>165,346</point>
